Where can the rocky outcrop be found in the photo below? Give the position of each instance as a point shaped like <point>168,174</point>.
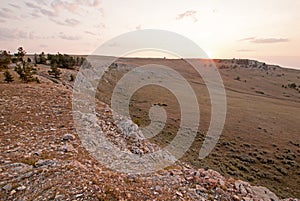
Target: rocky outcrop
<point>41,157</point>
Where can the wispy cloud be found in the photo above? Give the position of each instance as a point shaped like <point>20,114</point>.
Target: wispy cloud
<point>270,40</point>
<point>73,7</point>
<point>188,14</point>
<point>53,8</point>
<point>41,2</point>
<point>7,13</point>
<point>265,40</point>
<point>35,15</point>
<point>66,37</point>
<point>31,5</point>
<point>7,34</point>
<point>48,13</point>
<point>90,33</point>
<point>11,34</point>
<point>67,22</point>
<point>245,50</point>
<point>15,6</point>
<point>247,39</point>
<point>101,25</point>
<point>72,22</point>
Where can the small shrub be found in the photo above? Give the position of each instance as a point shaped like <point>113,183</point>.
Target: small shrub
<point>55,71</point>
<point>238,78</point>
<point>282,170</point>
<point>72,78</point>
<point>37,80</point>
<point>23,68</point>
<point>292,86</point>
<point>260,92</point>
<point>5,59</point>
<point>8,77</point>
<point>137,121</point>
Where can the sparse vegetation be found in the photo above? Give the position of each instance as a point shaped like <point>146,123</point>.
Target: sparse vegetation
<point>292,85</point>
<point>55,71</point>
<point>237,78</point>
<point>5,59</point>
<point>24,68</point>
<point>137,121</point>
<point>65,61</point>
<point>8,77</point>
<point>243,159</point>
<point>72,78</point>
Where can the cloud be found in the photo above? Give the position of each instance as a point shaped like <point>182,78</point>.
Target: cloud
<point>265,40</point>
<point>59,5</point>
<point>73,7</point>
<point>101,25</point>
<point>72,22</point>
<point>270,40</point>
<point>67,22</point>
<point>41,2</point>
<point>17,34</point>
<point>247,39</point>
<point>48,13</point>
<point>35,15</point>
<point>91,33</point>
<point>7,10</point>
<point>93,3</point>
<point>11,34</point>
<point>65,37</point>
<point>53,8</point>
<point>188,14</point>
<point>42,45</point>
<point>245,50</point>
<point>15,6</point>
<point>7,13</point>
<point>31,5</point>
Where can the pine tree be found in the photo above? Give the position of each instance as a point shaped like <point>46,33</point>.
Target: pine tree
<point>23,68</point>
<point>42,57</point>
<point>8,77</point>
<point>55,71</point>
<point>5,59</point>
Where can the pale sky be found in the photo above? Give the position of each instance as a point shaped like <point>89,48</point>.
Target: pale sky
<point>266,30</point>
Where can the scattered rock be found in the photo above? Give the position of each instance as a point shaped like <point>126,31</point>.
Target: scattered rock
<point>67,148</point>
<point>264,193</point>
<point>20,188</point>
<point>7,187</point>
<point>179,194</point>
<point>68,137</point>
<point>236,198</point>
<point>81,177</point>
<point>40,163</point>
<point>12,192</point>
<point>78,195</point>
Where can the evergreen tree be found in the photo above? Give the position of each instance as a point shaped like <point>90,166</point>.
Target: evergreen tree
<point>55,71</point>
<point>42,58</point>
<point>8,77</point>
<point>5,59</point>
<point>35,59</point>
<point>23,68</point>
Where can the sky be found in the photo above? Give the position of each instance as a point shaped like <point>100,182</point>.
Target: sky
<point>264,30</point>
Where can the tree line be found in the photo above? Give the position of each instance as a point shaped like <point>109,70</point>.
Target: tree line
<point>26,68</point>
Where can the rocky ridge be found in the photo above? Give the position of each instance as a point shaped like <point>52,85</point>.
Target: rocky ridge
<point>41,157</point>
